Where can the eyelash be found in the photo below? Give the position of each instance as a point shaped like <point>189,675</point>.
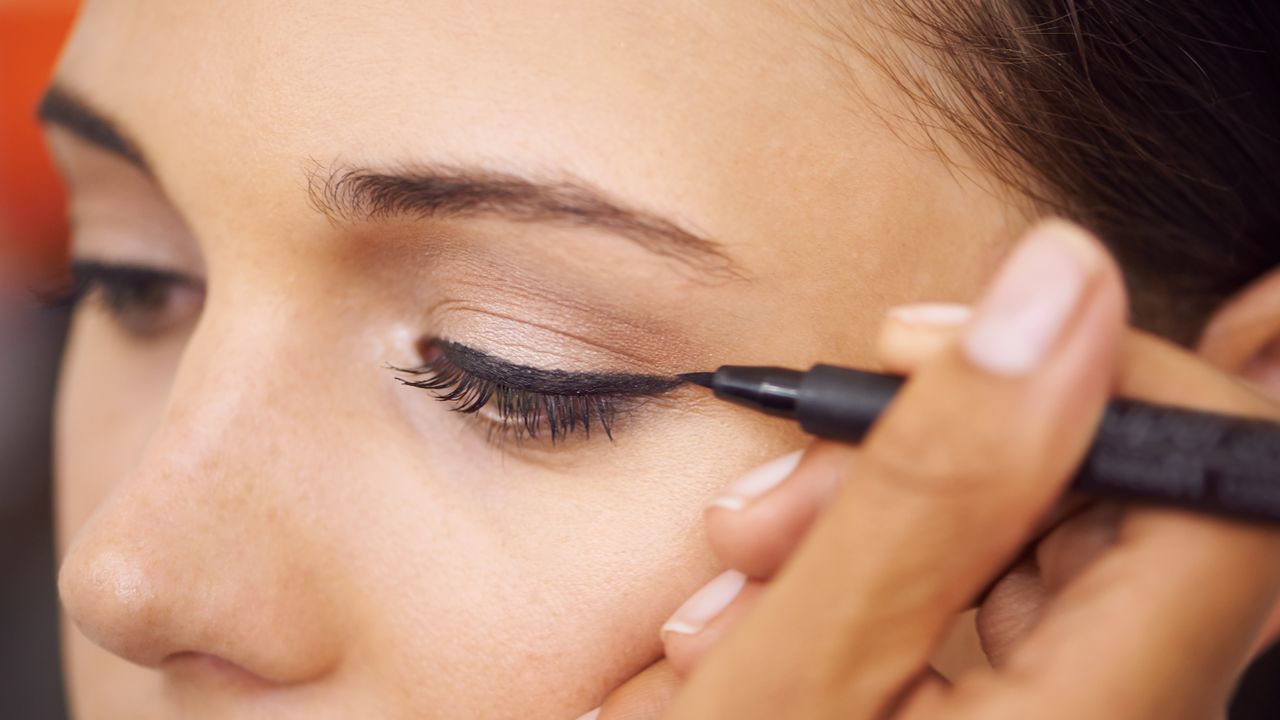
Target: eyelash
<point>521,413</point>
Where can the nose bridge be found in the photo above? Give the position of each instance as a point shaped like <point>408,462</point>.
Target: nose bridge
<point>203,548</point>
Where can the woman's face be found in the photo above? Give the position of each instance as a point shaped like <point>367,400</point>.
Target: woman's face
<point>259,520</point>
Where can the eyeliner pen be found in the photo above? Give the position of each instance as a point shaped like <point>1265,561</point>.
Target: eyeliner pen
<point>1202,461</point>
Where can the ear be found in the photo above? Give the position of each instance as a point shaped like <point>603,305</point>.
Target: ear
<point>1243,336</point>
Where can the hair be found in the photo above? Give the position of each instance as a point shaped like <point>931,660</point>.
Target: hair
<point>1154,123</point>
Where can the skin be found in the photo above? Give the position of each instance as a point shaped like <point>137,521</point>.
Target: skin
<point>225,556</point>
<point>256,520</point>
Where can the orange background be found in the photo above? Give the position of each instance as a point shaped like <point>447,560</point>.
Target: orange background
<point>32,218</point>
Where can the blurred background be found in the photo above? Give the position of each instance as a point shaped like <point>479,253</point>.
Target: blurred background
<point>32,247</point>
<point>33,236</point>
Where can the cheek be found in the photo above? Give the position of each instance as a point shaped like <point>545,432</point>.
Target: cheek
<point>548,634</point>
<point>537,589</point>
<point>535,603</point>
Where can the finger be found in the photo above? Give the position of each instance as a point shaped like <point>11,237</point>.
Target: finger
<point>1161,625</point>
<point>1150,367</point>
<point>1072,546</point>
<point>1164,621</point>
<point>755,523</point>
<point>643,697</point>
<point>1010,610</point>
<point>1016,601</point>
<point>913,334</point>
<point>705,617</point>
<point>940,496</point>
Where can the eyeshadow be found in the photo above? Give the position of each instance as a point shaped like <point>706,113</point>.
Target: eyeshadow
<point>551,381</point>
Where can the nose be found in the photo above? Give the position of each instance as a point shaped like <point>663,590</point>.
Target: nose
<point>157,584</point>
<point>204,552</point>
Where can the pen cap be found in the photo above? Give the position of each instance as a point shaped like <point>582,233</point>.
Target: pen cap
<point>841,403</point>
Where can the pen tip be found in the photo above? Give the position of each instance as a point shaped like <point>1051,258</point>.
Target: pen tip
<point>698,378</point>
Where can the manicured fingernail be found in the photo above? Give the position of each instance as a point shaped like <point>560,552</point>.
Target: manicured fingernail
<point>932,314</point>
<point>703,606</point>
<point>738,493</point>
<point>591,715</point>
<point>1031,300</point>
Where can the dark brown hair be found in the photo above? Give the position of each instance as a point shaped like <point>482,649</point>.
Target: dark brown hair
<point>1155,123</point>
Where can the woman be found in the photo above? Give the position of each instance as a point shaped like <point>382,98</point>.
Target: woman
<point>295,227</point>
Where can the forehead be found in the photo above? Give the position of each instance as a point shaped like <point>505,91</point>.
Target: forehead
<point>616,92</point>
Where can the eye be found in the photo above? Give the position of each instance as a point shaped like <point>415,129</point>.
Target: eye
<point>521,401</point>
<point>143,301</point>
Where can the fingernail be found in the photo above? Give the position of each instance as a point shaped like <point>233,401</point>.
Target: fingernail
<point>1031,300</point>
<point>703,606</point>
<point>738,493</point>
<point>591,715</point>
<point>931,314</point>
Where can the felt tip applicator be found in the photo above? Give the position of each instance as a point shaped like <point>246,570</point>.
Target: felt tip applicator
<point>1145,452</point>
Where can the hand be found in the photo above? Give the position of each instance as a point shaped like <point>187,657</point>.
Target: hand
<point>918,474</point>
<point>946,491</point>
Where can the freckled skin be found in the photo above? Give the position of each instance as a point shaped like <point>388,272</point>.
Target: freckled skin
<point>256,520</point>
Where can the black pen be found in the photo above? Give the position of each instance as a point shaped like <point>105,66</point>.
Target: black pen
<point>1146,452</point>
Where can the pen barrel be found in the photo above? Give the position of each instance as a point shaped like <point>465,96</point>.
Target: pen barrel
<point>1145,452</point>
<point>1174,456</point>
<point>842,404</point>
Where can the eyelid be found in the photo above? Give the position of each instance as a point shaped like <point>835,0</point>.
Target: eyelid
<point>525,399</point>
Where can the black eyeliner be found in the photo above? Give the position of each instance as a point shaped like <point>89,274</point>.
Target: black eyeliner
<point>550,381</point>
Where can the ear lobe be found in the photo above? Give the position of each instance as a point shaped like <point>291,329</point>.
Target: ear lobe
<point>1243,336</point>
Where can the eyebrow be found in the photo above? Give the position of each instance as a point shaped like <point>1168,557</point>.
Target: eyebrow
<point>62,108</point>
<point>348,194</point>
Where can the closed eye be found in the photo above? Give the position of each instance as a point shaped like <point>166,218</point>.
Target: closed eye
<point>144,301</point>
<point>528,402</point>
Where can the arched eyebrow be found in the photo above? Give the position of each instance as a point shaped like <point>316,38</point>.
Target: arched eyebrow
<point>348,195</point>
<point>63,108</point>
